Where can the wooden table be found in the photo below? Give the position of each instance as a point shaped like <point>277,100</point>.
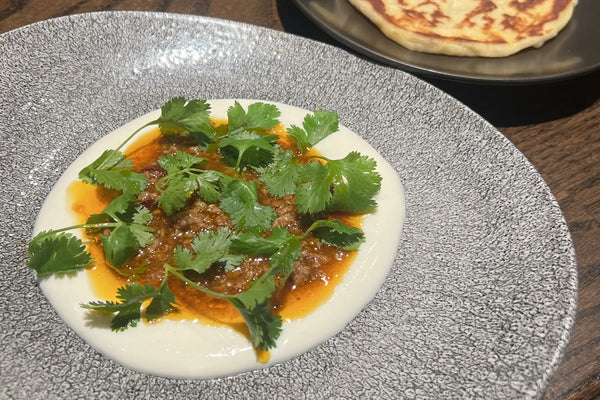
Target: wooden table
<point>556,126</point>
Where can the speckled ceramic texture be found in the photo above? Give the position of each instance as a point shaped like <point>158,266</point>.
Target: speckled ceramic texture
<point>482,295</point>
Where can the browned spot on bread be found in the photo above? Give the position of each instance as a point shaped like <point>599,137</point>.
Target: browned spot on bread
<point>523,5</point>
<point>484,7</point>
<point>524,28</point>
<point>516,24</point>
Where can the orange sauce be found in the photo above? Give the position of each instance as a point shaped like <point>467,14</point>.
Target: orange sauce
<point>289,302</point>
<point>297,302</point>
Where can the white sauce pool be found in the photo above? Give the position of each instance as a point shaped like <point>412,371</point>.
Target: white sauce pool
<point>188,349</point>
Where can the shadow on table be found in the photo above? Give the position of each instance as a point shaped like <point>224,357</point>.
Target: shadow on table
<point>502,105</point>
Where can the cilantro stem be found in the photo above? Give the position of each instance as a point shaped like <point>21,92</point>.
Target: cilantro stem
<point>109,159</point>
<point>309,230</point>
<point>182,277</point>
<point>239,161</point>
<point>85,226</point>
<point>263,327</point>
<point>135,133</point>
<point>319,157</point>
<point>227,297</point>
<point>163,182</point>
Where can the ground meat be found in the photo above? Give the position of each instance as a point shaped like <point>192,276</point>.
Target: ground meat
<point>149,197</point>
<point>172,144</point>
<point>200,216</point>
<point>315,255</point>
<point>180,228</point>
<point>285,207</point>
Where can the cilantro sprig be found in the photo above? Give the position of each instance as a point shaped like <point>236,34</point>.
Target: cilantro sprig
<point>114,171</point>
<point>185,176</point>
<point>316,126</point>
<point>240,201</point>
<point>178,117</point>
<point>57,251</point>
<point>129,307</point>
<point>347,184</point>
<point>254,303</point>
<point>224,248</point>
<point>207,249</point>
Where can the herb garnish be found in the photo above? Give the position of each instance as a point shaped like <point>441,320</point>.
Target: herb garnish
<point>128,309</point>
<point>319,185</point>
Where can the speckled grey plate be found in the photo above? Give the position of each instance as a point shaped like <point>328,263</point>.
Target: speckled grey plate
<point>480,300</point>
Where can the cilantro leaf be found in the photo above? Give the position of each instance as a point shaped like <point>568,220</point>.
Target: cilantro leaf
<point>264,327</point>
<point>207,248</point>
<point>119,245</point>
<point>121,208</point>
<point>355,181</point>
<point>208,184</point>
<point>142,234</point>
<point>179,116</point>
<point>247,149</point>
<point>253,244</point>
<point>129,232</point>
<point>184,178</point>
<point>52,252</point>
<point>260,116</point>
<point>281,175</point>
<point>337,234</point>
<point>174,196</point>
<point>161,304</point>
<point>240,202</point>
<point>316,126</point>
<point>128,308</point>
<point>314,193</point>
<point>142,216</point>
<point>121,179</point>
<point>114,171</point>
<point>348,184</point>
<point>281,246</point>
<point>261,290</point>
<point>108,159</point>
<point>282,261</point>
<point>173,163</point>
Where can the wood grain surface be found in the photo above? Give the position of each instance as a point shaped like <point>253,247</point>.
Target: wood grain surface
<point>556,126</point>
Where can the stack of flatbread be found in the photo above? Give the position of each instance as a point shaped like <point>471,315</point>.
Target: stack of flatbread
<point>485,28</point>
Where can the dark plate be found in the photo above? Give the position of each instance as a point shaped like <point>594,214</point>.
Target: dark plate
<point>575,51</point>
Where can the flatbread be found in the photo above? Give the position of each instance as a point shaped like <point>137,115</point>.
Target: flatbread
<point>485,28</point>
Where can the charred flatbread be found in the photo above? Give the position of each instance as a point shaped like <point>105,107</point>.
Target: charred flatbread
<point>485,28</point>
